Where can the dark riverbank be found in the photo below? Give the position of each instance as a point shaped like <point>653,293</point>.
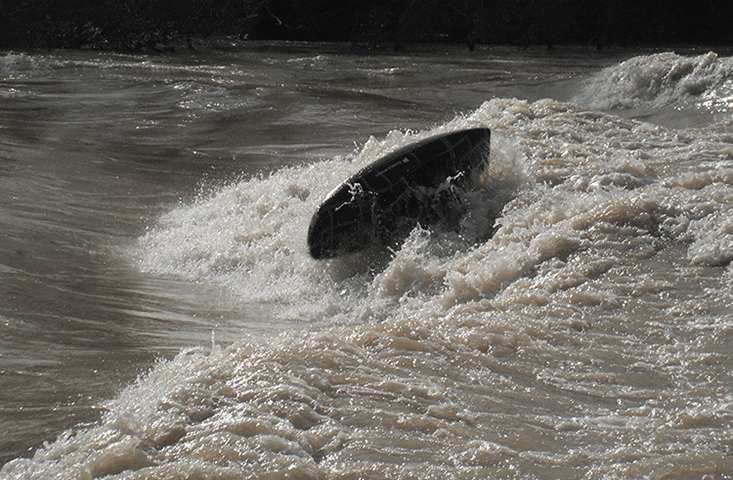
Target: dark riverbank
<point>145,25</point>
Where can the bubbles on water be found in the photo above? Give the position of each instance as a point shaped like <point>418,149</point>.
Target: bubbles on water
<point>555,323</point>
<point>249,236</point>
<point>585,334</point>
<point>566,187</point>
<point>662,80</point>
<point>14,64</point>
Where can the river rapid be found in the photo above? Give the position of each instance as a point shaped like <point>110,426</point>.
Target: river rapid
<point>160,316</point>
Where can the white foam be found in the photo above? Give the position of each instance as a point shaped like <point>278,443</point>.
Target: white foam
<point>661,80</point>
<point>452,346</point>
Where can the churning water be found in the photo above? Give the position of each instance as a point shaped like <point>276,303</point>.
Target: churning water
<point>160,316</point>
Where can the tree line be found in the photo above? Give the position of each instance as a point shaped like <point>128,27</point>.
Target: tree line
<point>140,25</point>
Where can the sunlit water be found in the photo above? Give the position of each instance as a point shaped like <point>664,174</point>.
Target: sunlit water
<point>160,316</point>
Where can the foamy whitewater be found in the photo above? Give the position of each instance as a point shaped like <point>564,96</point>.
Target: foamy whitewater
<point>585,334</point>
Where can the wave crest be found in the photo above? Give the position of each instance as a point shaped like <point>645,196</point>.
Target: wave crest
<point>661,80</point>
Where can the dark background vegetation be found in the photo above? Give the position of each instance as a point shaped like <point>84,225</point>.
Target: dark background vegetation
<point>144,25</point>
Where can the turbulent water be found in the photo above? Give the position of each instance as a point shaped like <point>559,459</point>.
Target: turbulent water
<point>161,317</point>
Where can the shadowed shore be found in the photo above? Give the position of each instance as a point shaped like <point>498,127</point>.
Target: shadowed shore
<point>150,25</point>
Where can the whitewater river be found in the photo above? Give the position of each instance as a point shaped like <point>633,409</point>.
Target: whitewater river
<point>160,316</point>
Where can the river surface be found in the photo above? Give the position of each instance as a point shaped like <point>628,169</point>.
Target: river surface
<point>160,316</point>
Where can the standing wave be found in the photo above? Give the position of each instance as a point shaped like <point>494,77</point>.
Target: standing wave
<point>662,80</point>
<point>586,337</point>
